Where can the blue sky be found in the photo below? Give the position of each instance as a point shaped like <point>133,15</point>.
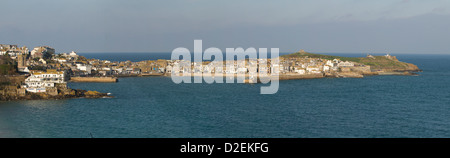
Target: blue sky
<point>360,26</point>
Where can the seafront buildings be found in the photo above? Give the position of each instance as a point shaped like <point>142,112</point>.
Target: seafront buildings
<point>40,81</point>
<point>43,57</point>
<point>46,70</point>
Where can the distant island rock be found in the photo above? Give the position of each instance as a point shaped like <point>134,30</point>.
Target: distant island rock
<point>358,66</point>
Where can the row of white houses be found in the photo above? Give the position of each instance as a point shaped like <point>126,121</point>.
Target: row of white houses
<point>38,81</point>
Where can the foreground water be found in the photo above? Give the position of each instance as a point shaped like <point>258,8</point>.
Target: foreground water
<point>375,106</point>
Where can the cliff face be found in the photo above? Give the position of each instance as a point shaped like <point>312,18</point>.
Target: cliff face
<point>408,67</point>
<point>412,67</point>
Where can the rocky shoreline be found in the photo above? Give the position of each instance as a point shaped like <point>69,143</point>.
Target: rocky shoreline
<point>78,93</point>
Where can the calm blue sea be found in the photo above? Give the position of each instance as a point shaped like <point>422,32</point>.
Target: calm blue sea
<point>375,106</point>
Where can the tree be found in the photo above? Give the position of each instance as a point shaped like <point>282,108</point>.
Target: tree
<point>7,65</point>
<point>36,59</point>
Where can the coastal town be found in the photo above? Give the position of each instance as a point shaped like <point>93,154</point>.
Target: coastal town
<point>43,71</point>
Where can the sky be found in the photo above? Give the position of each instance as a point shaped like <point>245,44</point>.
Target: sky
<point>350,26</point>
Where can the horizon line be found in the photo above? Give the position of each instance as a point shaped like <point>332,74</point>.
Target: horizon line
<point>365,53</point>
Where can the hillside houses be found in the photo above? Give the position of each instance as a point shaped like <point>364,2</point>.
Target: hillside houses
<point>76,65</point>
<point>13,50</point>
<point>42,51</point>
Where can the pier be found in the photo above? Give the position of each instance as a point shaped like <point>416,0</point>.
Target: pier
<point>93,79</point>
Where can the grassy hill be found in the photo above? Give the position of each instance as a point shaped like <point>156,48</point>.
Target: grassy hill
<point>312,55</point>
<point>376,63</point>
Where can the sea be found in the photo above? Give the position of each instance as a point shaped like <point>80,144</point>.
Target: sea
<point>155,107</point>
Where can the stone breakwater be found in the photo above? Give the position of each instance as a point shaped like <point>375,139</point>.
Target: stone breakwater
<point>93,79</point>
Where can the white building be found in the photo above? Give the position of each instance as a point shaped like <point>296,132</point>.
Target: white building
<point>118,70</point>
<point>168,69</point>
<point>206,69</point>
<point>346,64</point>
<point>61,60</point>
<point>263,69</point>
<point>73,54</point>
<point>313,69</point>
<point>326,68</point>
<point>330,63</point>
<point>38,80</point>
<point>230,69</point>
<point>83,67</point>
<point>276,68</point>
<point>218,69</point>
<point>300,71</point>
<point>242,70</point>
